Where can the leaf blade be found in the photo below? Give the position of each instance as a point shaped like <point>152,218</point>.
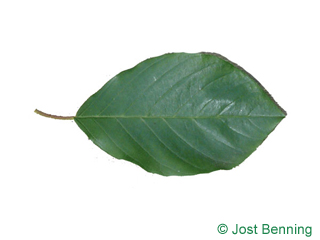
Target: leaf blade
<point>194,113</point>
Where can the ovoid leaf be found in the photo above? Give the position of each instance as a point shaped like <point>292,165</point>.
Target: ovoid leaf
<point>181,114</point>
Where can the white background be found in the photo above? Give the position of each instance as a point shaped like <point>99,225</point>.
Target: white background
<point>56,184</point>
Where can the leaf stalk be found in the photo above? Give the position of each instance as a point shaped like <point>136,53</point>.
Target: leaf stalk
<point>53,116</point>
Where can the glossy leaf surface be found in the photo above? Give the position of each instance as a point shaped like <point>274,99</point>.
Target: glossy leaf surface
<point>180,114</point>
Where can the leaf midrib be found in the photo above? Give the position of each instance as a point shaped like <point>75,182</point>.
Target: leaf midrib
<point>176,117</point>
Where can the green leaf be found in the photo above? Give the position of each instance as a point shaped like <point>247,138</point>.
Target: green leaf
<point>181,114</point>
